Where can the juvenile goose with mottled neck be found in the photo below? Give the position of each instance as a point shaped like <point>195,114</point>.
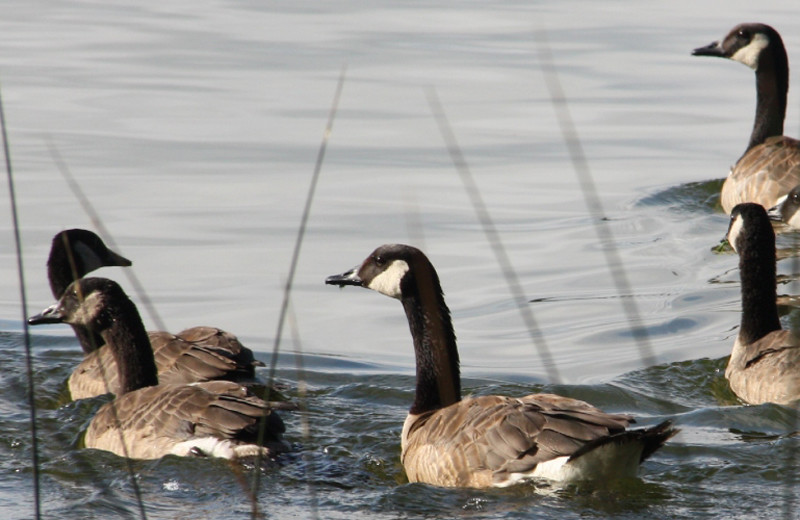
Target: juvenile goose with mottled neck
<point>489,440</point>
<point>765,361</point>
<point>195,354</point>
<point>770,166</point>
<point>216,418</point>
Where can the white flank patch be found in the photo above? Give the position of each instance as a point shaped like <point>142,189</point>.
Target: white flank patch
<point>553,469</point>
<point>749,54</point>
<point>733,232</point>
<point>211,446</point>
<point>610,461</point>
<point>388,282</point>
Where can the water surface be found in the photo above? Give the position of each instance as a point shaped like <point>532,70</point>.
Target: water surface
<point>194,130</point>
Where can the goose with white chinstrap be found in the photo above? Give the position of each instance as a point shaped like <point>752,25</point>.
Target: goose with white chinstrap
<point>770,165</point>
<point>765,362</point>
<point>491,440</point>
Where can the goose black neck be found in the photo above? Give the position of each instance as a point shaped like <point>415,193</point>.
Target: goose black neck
<point>126,337</point>
<point>62,270</point>
<point>772,85</point>
<point>757,272</point>
<point>438,377</point>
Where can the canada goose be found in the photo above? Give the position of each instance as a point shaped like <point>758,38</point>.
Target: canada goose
<point>765,362</point>
<point>787,209</point>
<point>195,354</point>
<point>490,440</point>
<point>215,418</point>
<point>73,254</point>
<point>770,166</point>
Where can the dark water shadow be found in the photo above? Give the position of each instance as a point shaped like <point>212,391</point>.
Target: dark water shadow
<point>692,197</point>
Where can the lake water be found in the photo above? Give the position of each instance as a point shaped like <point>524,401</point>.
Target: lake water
<point>194,127</point>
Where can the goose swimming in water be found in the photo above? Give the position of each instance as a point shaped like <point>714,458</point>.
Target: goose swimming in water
<point>765,361</point>
<point>770,166</point>
<point>215,418</point>
<point>490,440</point>
<point>195,354</point>
<point>787,210</point>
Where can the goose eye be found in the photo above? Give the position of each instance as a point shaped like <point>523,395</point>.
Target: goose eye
<point>795,197</point>
<point>380,261</point>
<point>743,34</point>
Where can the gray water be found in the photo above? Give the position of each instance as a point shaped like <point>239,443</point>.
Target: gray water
<point>194,127</point>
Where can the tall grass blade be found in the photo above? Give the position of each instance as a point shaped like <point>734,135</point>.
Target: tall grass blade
<point>493,237</point>
<point>301,231</point>
<point>581,166</point>
<point>24,305</point>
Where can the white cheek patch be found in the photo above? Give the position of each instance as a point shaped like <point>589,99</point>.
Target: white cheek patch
<point>749,54</point>
<point>388,282</point>
<point>733,232</point>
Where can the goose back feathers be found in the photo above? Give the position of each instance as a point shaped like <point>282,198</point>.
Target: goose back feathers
<point>193,355</point>
<point>489,440</point>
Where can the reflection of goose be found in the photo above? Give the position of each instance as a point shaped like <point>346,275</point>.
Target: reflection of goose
<point>216,418</point>
<point>196,354</point>
<point>489,440</point>
<point>770,166</point>
<point>765,362</point>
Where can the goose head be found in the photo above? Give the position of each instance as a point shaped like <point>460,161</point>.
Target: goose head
<point>387,270</point>
<point>405,273</point>
<point>744,43</point>
<point>787,210</point>
<point>102,307</point>
<point>750,228</point>
<point>88,302</point>
<point>76,252</point>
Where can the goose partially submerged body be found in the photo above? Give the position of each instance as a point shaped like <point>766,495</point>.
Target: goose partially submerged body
<point>770,166</point>
<point>490,440</point>
<point>195,354</point>
<point>787,210</point>
<point>148,420</point>
<point>765,362</point>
